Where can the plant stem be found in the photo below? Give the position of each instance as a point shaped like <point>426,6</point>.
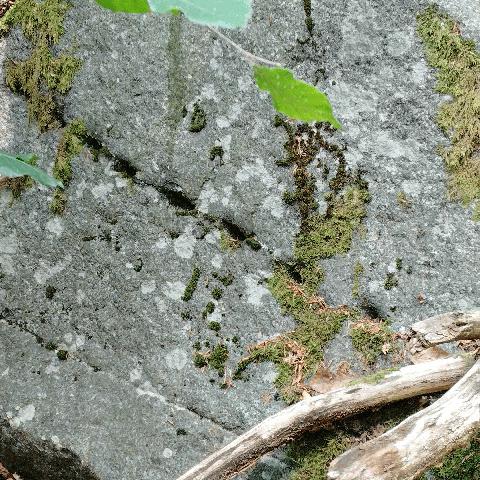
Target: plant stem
<point>249,57</point>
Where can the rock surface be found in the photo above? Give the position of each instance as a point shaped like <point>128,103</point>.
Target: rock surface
<point>104,282</point>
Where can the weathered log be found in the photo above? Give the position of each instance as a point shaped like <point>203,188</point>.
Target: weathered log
<point>419,442</point>
<point>449,327</point>
<point>321,410</point>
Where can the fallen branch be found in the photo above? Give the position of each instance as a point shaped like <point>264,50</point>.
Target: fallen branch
<point>449,327</point>
<point>321,410</point>
<point>419,442</point>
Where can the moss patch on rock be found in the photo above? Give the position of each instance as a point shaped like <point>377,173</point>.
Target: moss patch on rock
<point>295,284</point>
<point>192,285</point>
<point>42,75</point>
<point>372,338</point>
<point>458,74</point>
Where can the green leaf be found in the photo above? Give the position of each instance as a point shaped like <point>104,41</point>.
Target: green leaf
<point>18,167</point>
<point>219,13</point>
<point>295,98</point>
<point>129,6</point>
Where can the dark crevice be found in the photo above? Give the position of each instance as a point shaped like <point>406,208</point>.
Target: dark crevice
<point>212,419</point>
<point>36,459</point>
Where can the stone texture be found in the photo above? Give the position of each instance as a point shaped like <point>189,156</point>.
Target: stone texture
<point>128,401</point>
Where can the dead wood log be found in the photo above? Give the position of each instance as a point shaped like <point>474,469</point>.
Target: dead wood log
<point>449,327</point>
<point>321,410</point>
<point>419,442</point>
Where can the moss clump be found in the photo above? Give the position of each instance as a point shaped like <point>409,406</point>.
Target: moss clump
<point>391,281</point>
<point>297,354</point>
<point>295,284</point>
<point>373,379</point>
<point>371,338</point>
<point>215,152</point>
<point>192,285</point>
<point>358,271</point>
<point>458,75</point>
<point>42,75</point>
<point>462,464</point>
<point>253,243</point>
<point>71,144</point>
<point>199,119</point>
<point>218,357</point>
<point>200,360</point>
<point>313,454</point>
<point>209,308</point>
<point>214,326</point>
<point>227,242</point>
<point>226,280</point>
<point>217,293</point>
<point>62,355</point>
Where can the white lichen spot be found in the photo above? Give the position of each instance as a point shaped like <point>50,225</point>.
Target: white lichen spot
<point>55,226</point>
<point>121,182</point>
<point>255,290</point>
<point>5,372</point>
<point>161,305</point>
<point>148,287</point>
<point>80,189</point>
<point>56,441</point>
<point>275,206</point>
<point>25,414</point>
<point>167,453</point>
<point>184,245</point>
<point>208,92</point>
<point>207,196</point>
<point>212,237</point>
<point>174,290</point>
<point>176,359</point>
<point>53,366</point>
<point>160,245</point>
<point>227,192</point>
<point>8,248</point>
<point>46,271</point>
<point>255,170</point>
<point>102,190</point>
<point>136,374</point>
<point>244,83</point>
<point>81,296</point>
<point>148,390</point>
<point>217,261</point>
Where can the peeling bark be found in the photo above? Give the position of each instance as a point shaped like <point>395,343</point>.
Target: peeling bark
<point>419,442</point>
<point>321,410</point>
<point>449,327</point>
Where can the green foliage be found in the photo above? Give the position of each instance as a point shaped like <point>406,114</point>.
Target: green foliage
<point>215,326</point>
<point>128,6</point>
<point>217,293</point>
<point>42,75</point>
<point>391,281</point>
<point>21,165</point>
<point>192,285</point>
<point>374,378</point>
<point>462,464</point>
<point>218,358</point>
<point>209,308</point>
<point>227,242</point>
<point>295,98</point>
<point>458,75</point>
<point>231,14</point>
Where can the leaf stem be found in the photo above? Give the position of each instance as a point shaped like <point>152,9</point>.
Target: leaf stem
<point>249,57</point>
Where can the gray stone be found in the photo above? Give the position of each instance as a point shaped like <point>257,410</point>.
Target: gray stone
<point>128,402</point>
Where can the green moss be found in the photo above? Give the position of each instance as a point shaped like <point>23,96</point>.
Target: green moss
<point>227,242</point>
<point>316,326</point>
<point>62,355</point>
<point>399,263</point>
<point>289,197</point>
<point>18,185</point>
<point>217,293</point>
<point>458,74</point>
<point>215,152</point>
<point>358,271</point>
<point>192,285</point>
<point>200,360</point>
<point>218,357</point>
<point>253,243</point>
<point>42,75</point>
<point>371,337</point>
<point>215,326</point>
<point>391,281</point>
<point>59,202</point>
<point>462,464</point>
<point>313,454</point>
<point>209,308</point>
<point>199,119</point>
<point>226,280</point>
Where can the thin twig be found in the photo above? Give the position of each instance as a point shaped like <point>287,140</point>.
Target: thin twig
<point>249,57</point>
